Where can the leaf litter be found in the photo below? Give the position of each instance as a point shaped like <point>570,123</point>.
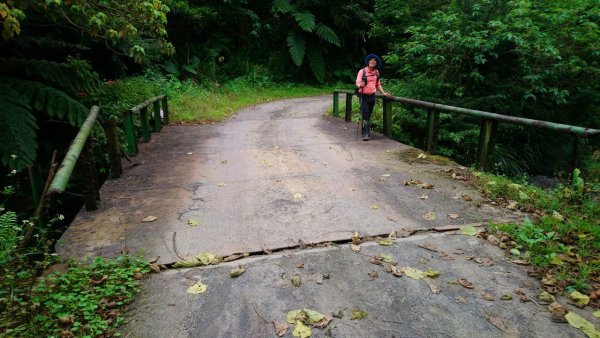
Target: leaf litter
<point>201,259</point>
<point>304,319</point>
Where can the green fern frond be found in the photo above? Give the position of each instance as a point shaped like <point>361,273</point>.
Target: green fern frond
<point>51,101</point>
<point>296,47</point>
<point>282,6</point>
<point>306,20</point>
<point>316,63</point>
<point>18,127</point>
<point>74,76</point>
<point>327,34</point>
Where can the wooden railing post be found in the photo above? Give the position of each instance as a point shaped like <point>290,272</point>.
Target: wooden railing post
<point>487,137</point>
<point>348,115</point>
<point>132,147</point>
<point>145,124</point>
<point>165,109</point>
<point>157,122</point>
<point>114,148</point>
<point>336,104</point>
<point>387,117</point>
<point>433,129</point>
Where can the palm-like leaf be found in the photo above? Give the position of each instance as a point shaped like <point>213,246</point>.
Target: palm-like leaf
<point>316,63</point>
<point>327,34</point>
<point>296,47</point>
<point>282,6</point>
<point>305,20</point>
<point>18,127</point>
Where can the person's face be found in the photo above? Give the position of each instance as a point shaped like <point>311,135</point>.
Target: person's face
<point>372,62</point>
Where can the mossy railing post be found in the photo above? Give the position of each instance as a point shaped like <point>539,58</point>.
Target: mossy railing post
<point>433,129</point>
<point>114,148</point>
<point>487,138</point>
<point>88,171</point>
<point>132,147</point>
<point>165,109</point>
<point>156,108</point>
<point>145,123</point>
<point>387,117</point>
<point>336,104</point>
<point>348,115</point>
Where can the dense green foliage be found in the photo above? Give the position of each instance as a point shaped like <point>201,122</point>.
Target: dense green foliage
<point>561,238</point>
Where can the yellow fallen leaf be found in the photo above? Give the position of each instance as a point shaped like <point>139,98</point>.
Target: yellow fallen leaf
<point>358,314</point>
<point>150,219</point>
<point>301,330</point>
<point>583,324</point>
<point>468,230</point>
<point>193,222</point>
<point>512,205</point>
<point>421,155</point>
<point>423,197</point>
<point>201,259</point>
<point>374,207</point>
<point>579,298</point>
<point>413,273</point>
<point>596,313</point>
<point>222,184</point>
<point>385,242</point>
<point>313,316</point>
<point>197,288</point>
<point>544,296</point>
<point>431,273</point>
<point>298,196</point>
<point>557,216</point>
<point>296,280</point>
<point>386,258</point>
<point>430,216</point>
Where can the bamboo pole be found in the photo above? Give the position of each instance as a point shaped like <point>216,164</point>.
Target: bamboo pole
<point>59,183</point>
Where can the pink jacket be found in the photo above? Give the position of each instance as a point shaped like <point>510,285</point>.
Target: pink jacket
<point>371,86</point>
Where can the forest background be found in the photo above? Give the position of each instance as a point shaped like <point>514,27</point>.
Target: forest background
<point>534,59</point>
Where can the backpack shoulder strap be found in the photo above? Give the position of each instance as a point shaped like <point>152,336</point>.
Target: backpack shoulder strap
<point>364,75</point>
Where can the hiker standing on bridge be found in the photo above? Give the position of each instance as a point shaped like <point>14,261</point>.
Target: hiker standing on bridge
<point>368,83</point>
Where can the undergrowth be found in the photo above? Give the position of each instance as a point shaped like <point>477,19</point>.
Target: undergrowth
<point>561,235</point>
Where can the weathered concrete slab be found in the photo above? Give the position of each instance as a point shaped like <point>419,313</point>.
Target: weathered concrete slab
<point>239,179</point>
<point>395,306</point>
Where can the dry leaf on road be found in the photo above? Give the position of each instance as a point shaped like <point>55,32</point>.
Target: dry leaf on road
<point>453,216</point>
<point>237,271</point>
<point>488,296</point>
<point>296,280</point>
<point>280,328</point>
<point>355,248</point>
<point>430,216</point>
<point>373,274</point>
<point>465,283</point>
<point>150,219</point>
<point>197,288</point>
<point>467,198</point>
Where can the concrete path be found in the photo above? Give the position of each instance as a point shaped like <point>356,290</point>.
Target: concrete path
<point>282,174</point>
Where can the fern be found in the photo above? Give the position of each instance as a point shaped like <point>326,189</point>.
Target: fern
<point>8,235</point>
<point>19,100</point>
<point>316,63</point>
<point>17,130</point>
<point>282,6</point>
<point>76,75</point>
<point>297,47</point>
<point>305,20</point>
<point>327,34</point>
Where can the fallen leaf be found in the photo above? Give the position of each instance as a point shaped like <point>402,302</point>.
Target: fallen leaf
<point>484,261</point>
<point>150,219</point>
<point>393,235</point>
<point>323,322</point>
<point>426,186</point>
<point>488,296</point>
<point>377,260</point>
<point>596,313</point>
<point>358,314</point>
<point>300,266</point>
<point>373,274</point>
<point>461,299</point>
<point>431,273</point>
<point>386,258</point>
<point>197,288</point>
<point>298,196</point>
<point>355,238</point>
<point>582,324</point>
<point>385,242</point>
<point>392,219</point>
<point>233,257</point>
<point>512,205</point>
<point>355,248</point>
<point>468,230</point>
<point>421,155</point>
<point>319,278</point>
<point>237,271</point>
<point>423,197</point>
<point>296,280</point>
<point>413,273</point>
<point>339,314</point>
<point>301,330</point>
<point>223,161</point>
<point>222,184</point>
<point>558,312</point>
<point>412,182</point>
<point>579,298</point>
<point>522,295</point>
<point>467,198</point>
<point>465,283</point>
<point>434,289</point>
<point>557,216</point>
<point>394,270</point>
<point>280,328</point>
<point>374,207</point>
<point>453,216</point>
<point>96,282</point>
<point>430,216</point>
<point>202,259</point>
<point>520,262</point>
<point>544,296</point>
<point>193,222</point>
<point>506,296</point>
<point>497,322</point>
<point>189,153</point>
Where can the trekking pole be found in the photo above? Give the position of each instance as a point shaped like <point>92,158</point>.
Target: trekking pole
<point>360,120</point>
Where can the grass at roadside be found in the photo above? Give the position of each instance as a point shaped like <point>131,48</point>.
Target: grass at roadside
<point>561,235</point>
<point>196,104</point>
